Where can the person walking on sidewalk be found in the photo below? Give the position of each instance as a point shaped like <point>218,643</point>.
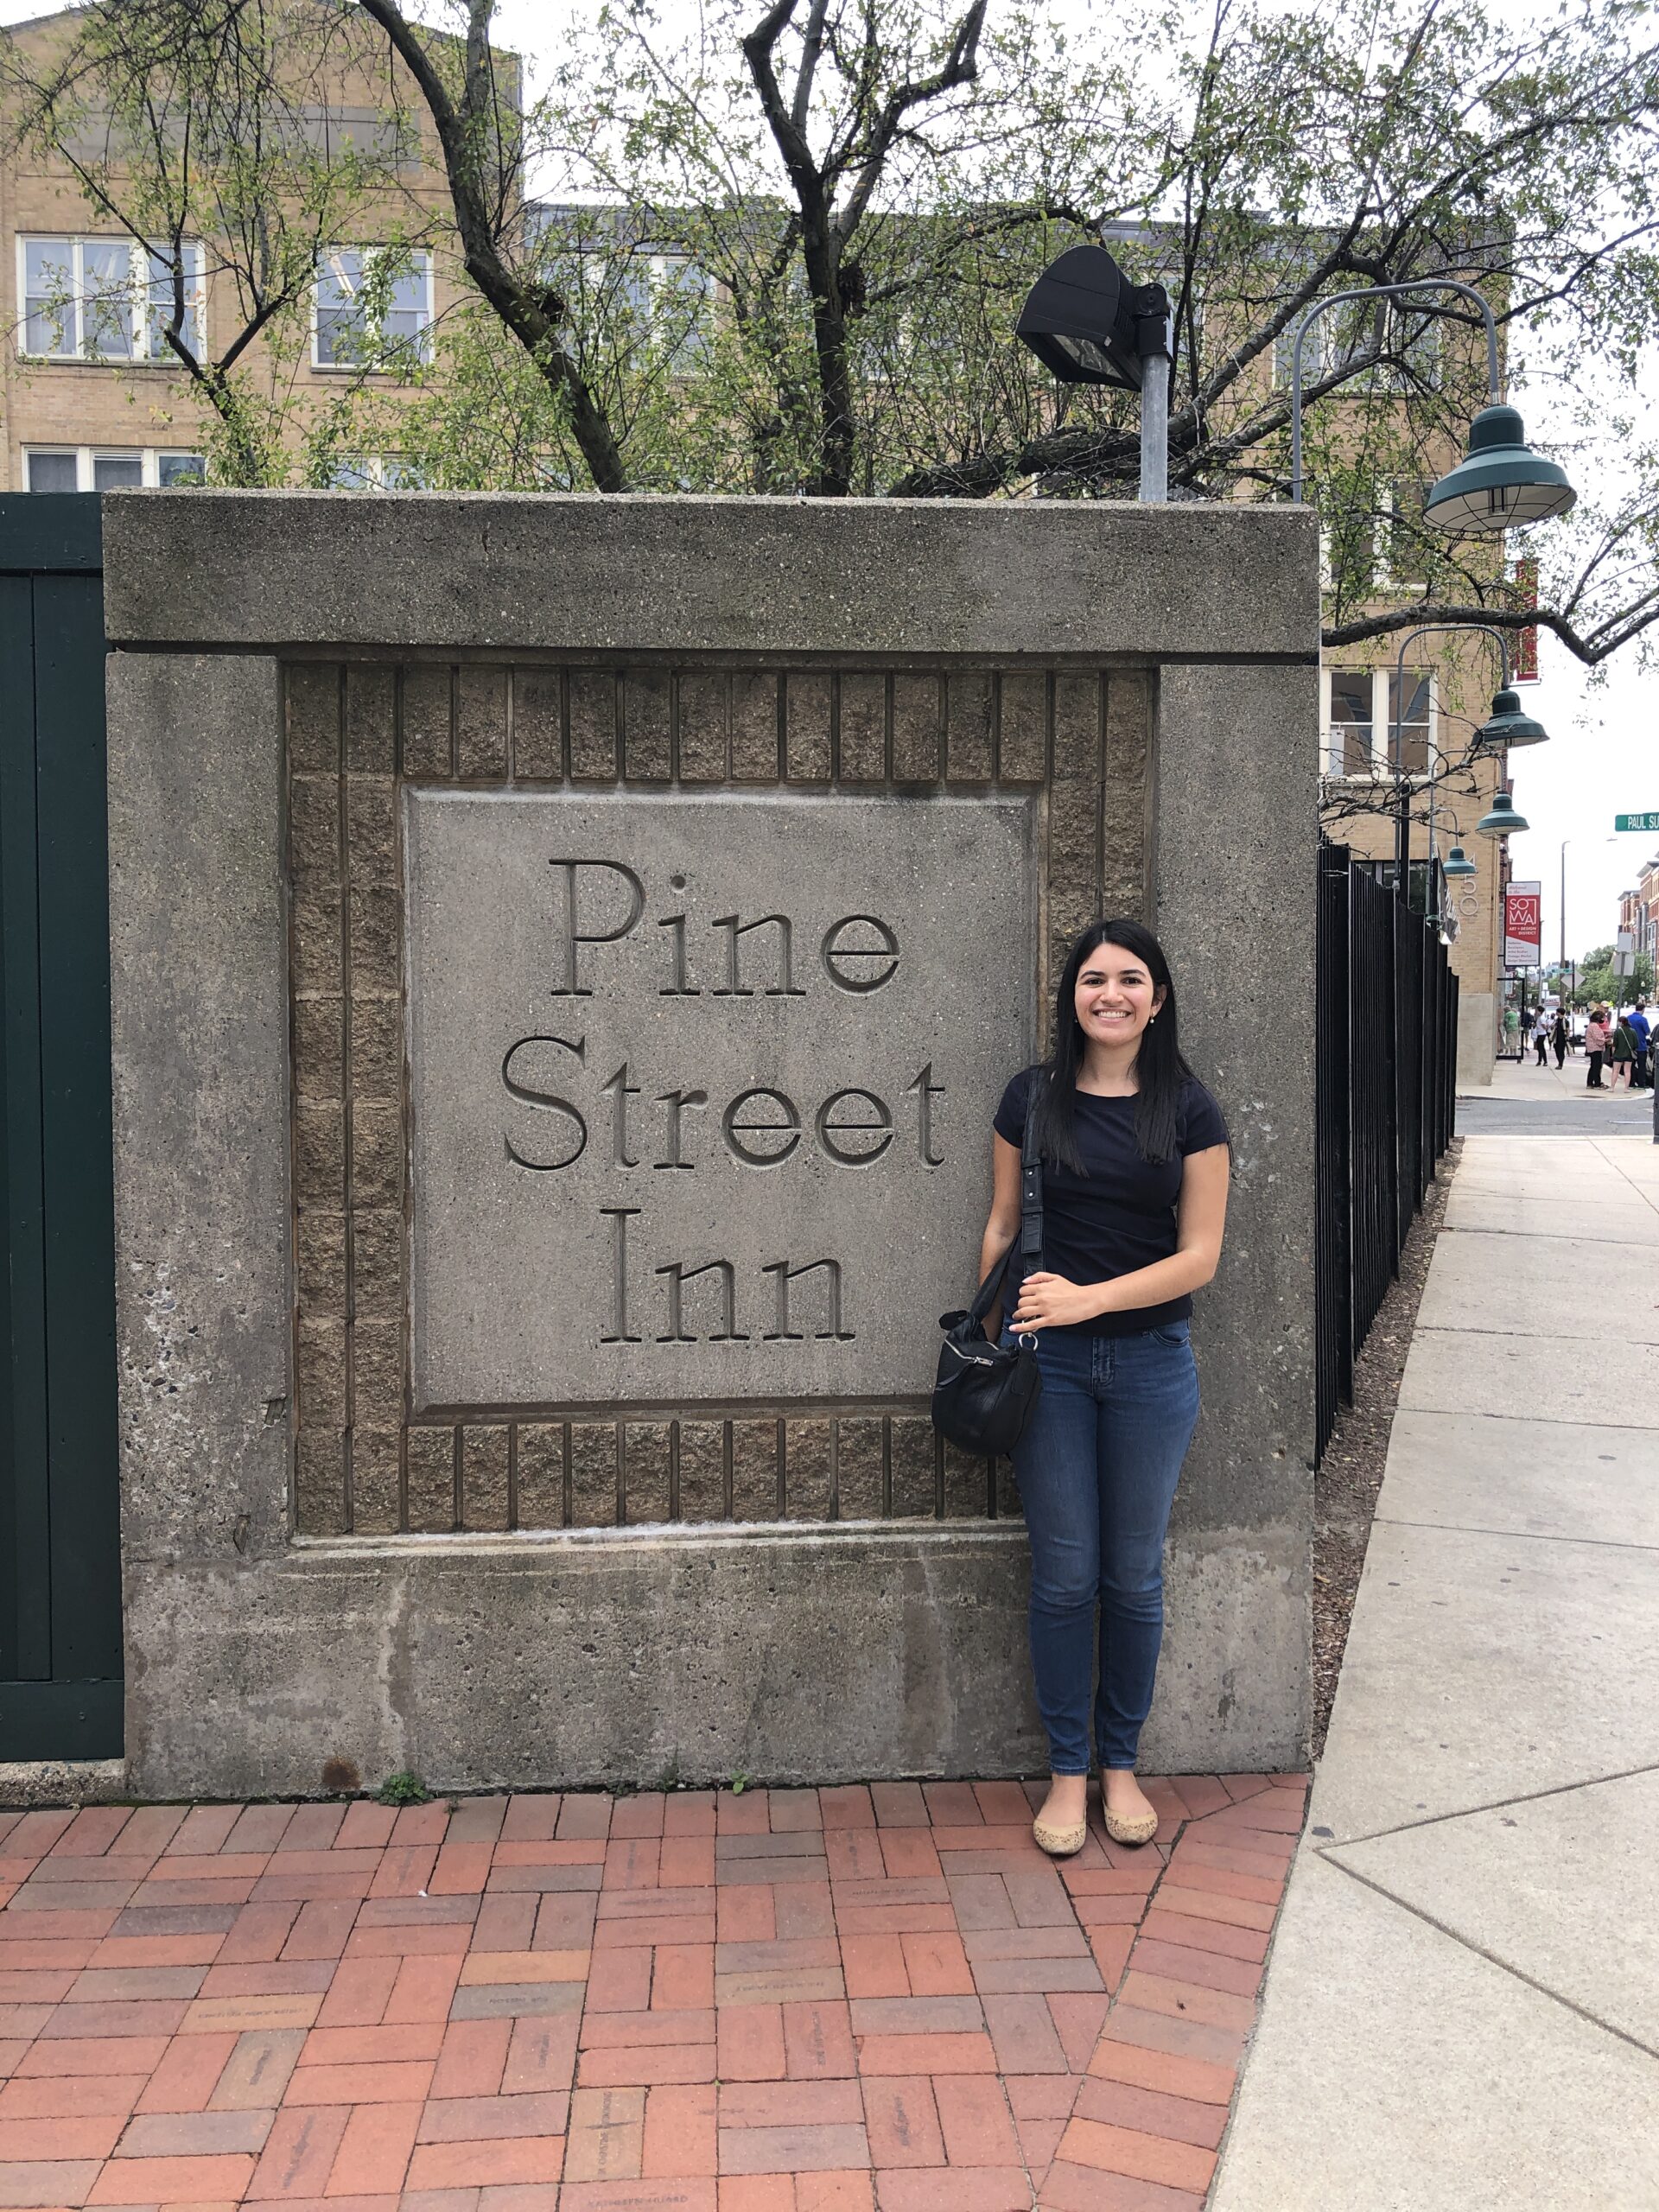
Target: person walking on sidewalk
<point>1540,1036</point>
<point>1595,1046</point>
<point>1135,1163</point>
<point>1560,1036</point>
<point>1642,1030</point>
<point>1623,1052</point>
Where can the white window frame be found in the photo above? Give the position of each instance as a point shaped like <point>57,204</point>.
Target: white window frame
<point>381,472</point>
<point>422,257</point>
<point>141,356</point>
<point>1388,523</point>
<point>150,459</point>
<point>1382,730</point>
<point>1321,351</point>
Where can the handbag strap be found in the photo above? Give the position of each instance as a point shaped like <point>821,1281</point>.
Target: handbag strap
<point>1027,1246</point>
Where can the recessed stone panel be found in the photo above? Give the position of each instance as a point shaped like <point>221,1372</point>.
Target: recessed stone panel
<point>701,1089</point>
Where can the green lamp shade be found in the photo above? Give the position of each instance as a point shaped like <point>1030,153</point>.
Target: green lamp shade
<point>1457,862</point>
<point>1503,821</point>
<point>1501,485</point>
<point>1507,725</point>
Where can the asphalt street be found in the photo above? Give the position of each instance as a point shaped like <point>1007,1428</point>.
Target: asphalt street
<point>1561,1107</point>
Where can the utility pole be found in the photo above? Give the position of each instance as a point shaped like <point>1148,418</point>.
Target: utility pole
<point>1565,842</point>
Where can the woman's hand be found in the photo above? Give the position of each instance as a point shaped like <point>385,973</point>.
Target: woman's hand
<point>1050,1302</point>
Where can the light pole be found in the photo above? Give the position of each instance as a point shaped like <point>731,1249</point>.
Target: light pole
<point>1565,842</point>
<point>1506,726</point>
<point>1500,483</point>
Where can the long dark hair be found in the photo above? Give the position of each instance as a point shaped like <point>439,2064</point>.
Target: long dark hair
<point>1159,1070</point>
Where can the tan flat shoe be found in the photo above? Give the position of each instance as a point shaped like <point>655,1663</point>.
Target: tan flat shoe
<point>1140,1829</point>
<point>1059,1843</point>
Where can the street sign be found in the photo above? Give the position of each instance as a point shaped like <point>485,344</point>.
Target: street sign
<point>1635,821</point>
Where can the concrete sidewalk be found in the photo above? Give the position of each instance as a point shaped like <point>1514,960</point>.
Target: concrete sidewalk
<point>1462,2005</point>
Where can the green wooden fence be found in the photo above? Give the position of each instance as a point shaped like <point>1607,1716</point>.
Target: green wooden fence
<point>60,1525</point>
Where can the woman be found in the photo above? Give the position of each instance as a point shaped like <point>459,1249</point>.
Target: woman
<point>1561,1037</point>
<point>1541,1036</point>
<point>1623,1052</point>
<point>1595,1045</point>
<point>1134,1173</point>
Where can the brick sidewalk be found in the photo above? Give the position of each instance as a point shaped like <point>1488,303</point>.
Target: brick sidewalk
<point>834,2000</point>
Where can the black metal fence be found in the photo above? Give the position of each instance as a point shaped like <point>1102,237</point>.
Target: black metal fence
<point>1386,1101</point>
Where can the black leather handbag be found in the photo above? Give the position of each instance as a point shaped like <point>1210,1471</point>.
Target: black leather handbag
<point>984,1393</point>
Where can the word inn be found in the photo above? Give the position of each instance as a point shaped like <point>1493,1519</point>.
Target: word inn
<point>719,1277</point>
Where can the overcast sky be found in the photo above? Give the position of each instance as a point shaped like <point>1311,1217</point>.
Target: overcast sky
<point>1602,758</point>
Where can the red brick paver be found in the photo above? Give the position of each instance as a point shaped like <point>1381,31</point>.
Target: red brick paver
<point>850,1999</point>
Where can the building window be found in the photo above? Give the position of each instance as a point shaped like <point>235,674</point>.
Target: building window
<point>1409,714</point>
<point>661,298</point>
<point>98,468</point>
<point>373,308</point>
<point>373,472</point>
<point>377,139</point>
<point>106,300</point>
<point>1348,748</point>
<point>1354,332</point>
<point>1361,708</point>
<point>669,298</point>
<point>1406,537</point>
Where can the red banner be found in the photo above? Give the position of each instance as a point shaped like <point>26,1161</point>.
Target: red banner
<point>1524,669</point>
<point>1523,925</point>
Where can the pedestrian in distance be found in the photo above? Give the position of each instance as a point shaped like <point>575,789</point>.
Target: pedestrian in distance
<point>1540,1036</point>
<point>1641,1028</point>
<point>1595,1047</point>
<point>1624,1052</point>
<point>1134,1167</point>
<point>1560,1036</point>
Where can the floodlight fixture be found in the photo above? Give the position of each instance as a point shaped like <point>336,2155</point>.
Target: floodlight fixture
<point>1083,319</point>
<point>1087,324</point>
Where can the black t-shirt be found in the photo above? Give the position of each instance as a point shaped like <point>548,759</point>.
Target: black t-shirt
<point>1120,1215</point>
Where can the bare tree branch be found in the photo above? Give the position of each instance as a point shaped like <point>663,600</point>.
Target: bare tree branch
<point>1589,646</point>
<point>534,316</point>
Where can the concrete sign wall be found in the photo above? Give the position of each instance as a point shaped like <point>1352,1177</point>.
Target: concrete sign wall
<point>566,954</point>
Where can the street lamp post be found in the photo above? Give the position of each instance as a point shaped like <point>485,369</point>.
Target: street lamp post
<point>1506,725</point>
<point>1500,483</point>
<point>1565,842</point>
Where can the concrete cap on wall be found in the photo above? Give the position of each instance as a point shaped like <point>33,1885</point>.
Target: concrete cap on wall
<point>270,571</point>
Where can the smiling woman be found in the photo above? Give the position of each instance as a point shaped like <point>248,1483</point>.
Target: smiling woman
<point>1134,1175</point>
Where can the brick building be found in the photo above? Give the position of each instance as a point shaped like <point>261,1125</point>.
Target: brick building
<point>91,395</point>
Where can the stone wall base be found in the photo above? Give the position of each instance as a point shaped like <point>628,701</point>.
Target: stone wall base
<point>1477,1031</point>
<point>26,1784</point>
<point>520,1664</point>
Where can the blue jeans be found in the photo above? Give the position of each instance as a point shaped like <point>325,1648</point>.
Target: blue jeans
<point>1097,1467</point>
